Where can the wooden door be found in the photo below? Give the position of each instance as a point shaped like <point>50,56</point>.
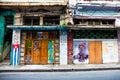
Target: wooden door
<point>36,52</point>
<point>98,52</point>
<point>95,52</point>
<point>44,52</point>
<point>92,52</point>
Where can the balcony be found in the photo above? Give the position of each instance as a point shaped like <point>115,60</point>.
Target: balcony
<point>32,2</point>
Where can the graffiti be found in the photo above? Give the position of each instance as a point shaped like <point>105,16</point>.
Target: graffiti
<point>50,51</point>
<point>16,37</point>
<point>28,59</point>
<point>80,51</point>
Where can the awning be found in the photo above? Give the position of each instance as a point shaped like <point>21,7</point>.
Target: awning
<point>23,27</point>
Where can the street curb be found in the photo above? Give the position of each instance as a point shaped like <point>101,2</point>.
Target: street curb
<point>58,70</point>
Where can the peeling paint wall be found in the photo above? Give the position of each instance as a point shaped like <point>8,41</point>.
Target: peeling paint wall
<point>118,44</point>
<point>109,51</point>
<point>2,28</point>
<point>63,47</point>
<point>2,22</point>
<point>70,47</point>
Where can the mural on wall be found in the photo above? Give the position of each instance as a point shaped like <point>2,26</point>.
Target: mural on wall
<point>50,51</point>
<point>80,52</point>
<point>15,47</point>
<point>110,51</point>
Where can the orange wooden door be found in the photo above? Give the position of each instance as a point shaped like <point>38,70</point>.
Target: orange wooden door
<point>98,52</point>
<point>95,52</point>
<point>92,52</point>
<point>44,52</point>
<point>36,52</point>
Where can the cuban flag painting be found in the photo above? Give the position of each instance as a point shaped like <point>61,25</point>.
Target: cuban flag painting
<point>15,55</point>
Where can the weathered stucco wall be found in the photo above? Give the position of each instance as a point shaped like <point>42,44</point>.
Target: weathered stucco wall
<point>63,48</point>
<point>2,29</point>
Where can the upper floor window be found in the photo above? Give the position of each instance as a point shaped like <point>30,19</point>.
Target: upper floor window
<point>31,20</point>
<point>51,20</point>
<point>9,20</point>
<point>94,22</point>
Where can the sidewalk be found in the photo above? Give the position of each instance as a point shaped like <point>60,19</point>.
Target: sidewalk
<point>58,68</point>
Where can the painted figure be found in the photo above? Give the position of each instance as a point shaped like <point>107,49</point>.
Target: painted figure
<point>80,52</point>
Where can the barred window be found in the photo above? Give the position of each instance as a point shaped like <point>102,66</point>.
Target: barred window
<point>95,34</point>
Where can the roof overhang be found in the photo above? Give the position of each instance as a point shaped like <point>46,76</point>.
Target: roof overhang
<point>36,27</point>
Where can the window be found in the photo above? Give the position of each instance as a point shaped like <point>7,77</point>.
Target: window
<point>90,22</point>
<point>94,22</point>
<point>51,20</point>
<point>95,34</point>
<point>31,20</point>
<point>9,20</point>
<point>108,22</point>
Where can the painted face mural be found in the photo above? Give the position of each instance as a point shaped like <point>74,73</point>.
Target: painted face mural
<point>80,52</point>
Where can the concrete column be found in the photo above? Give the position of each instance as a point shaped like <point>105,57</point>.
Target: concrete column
<point>18,19</point>
<point>15,55</point>
<point>63,47</point>
<point>118,33</point>
<point>70,47</point>
<point>41,21</point>
<point>63,20</point>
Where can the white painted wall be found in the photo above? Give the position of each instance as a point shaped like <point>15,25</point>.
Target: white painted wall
<point>63,48</point>
<point>117,22</point>
<point>110,51</point>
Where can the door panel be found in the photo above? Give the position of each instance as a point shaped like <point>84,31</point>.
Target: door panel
<point>44,60</point>
<point>44,52</point>
<point>98,52</point>
<point>92,52</point>
<point>95,50</point>
<point>36,52</point>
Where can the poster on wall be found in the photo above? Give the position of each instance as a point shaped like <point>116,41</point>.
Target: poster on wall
<point>50,51</point>
<point>110,51</point>
<point>80,52</point>
<point>15,58</point>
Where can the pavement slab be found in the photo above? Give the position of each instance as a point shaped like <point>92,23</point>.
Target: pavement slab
<point>51,68</point>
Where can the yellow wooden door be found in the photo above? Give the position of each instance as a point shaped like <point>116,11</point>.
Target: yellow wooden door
<point>95,52</point>
<point>44,52</point>
<point>92,52</point>
<point>36,52</point>
<point>98,52</point>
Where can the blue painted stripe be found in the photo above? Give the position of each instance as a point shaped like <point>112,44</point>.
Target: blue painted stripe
<point>15,56</point>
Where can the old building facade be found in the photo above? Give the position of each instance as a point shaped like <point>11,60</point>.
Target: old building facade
<point>96,39</point>
<point>61,32</point>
